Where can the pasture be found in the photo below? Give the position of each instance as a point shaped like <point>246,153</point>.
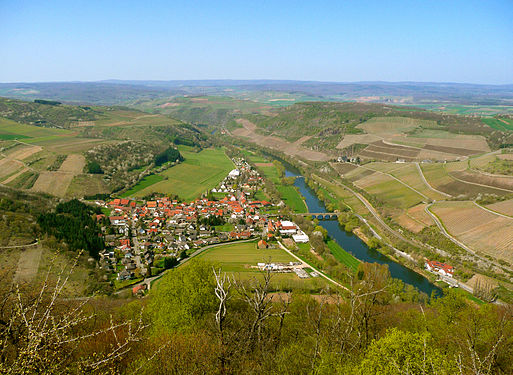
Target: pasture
<point>198,173</point>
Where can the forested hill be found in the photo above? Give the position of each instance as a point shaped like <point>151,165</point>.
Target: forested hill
<point>45,113</point>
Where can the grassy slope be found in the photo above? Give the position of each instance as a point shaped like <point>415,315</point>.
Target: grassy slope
<point>343,256</point>
<point>199,172</point>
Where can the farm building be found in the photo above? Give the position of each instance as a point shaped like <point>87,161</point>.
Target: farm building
<point>442,268</point>
<point>300,237</point>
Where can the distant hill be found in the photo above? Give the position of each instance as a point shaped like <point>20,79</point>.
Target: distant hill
<point>126,91</point>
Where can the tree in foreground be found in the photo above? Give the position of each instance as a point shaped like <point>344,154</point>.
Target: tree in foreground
<point>401,352</point>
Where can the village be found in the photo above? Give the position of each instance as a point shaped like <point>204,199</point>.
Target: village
<point>146,237</point>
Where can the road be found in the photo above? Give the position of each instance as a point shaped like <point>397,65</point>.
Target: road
<point>492,212</point>
<point>456,241</point>
<point>19,246</point>
<point>375,214</point>
<point>398,180</point>
<point>313,268</point>
<point>428,184</point>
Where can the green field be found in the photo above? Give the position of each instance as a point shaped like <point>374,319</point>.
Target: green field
<point>292,198</point>
<point>394,194</point>
<point>343,256</point>
<point>237,258</point>
<point>144,183</point>
<point>505,125</point>
<point>194,176</point>
<point>288,194</point>
<point>32,134</point>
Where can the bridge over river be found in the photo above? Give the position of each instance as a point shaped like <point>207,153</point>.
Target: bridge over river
<point>319,215</point>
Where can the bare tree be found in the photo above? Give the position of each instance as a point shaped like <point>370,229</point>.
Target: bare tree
<point>43,332</point>
<point>222,291</point>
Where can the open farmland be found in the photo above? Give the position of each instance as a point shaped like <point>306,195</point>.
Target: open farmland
<point>438,177</point>
<point>481,230</point>
<point>57,183</point>
<point>504,124</point>
<point>388,190</point>
<point>392,138</point>
<point>415,218</point>
<point>238,258</point>
<point>393,125</point>
<point>410,175</point>
<point>504,207</point>
<point>498,182</point>
<point>249,130</point>
<point>194,176</point>
<point>86,184</point>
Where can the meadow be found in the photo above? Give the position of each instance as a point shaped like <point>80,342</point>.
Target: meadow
<point>237,259</point>
<point>199,172</point>
<point>143,184</point>
<point>343,256</point>
<point>288,193</point>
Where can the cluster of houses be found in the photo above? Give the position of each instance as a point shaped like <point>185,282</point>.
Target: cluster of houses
<point>286,228</point>
<point>145,232</point>
<point>443,269</point>
<point>243,177</point>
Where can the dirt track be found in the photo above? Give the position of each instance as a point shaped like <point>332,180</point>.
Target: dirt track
<point>289,148</point>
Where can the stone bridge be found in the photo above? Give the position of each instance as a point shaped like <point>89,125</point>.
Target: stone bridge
<point>319,215</point>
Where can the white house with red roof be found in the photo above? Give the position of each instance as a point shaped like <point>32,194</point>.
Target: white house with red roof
<point>439,267</point>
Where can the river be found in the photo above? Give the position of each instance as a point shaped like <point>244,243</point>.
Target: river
<point>354,244</point>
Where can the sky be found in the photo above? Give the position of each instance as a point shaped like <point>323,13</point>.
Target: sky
<point>337,40</point>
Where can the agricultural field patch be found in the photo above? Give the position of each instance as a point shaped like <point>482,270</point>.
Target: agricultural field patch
<point>343,168</point>
<point>238,258</point>
<point>485,179</point>
<point>58,182</point>
<point>198,173</point>
<point>86,184</point>
<point>439,178</point>
<point>22,151</point>
<point>54,183</point>
<point>352,139</point>
<point>358,173</point>
<point>494,238</point>
<point>461,216</point>
<point>452,150</point>
<point>410,175</point>
<point>418,213</point>
<point>393,125</point>
<point>504,207</point>
<point>503,123</point>
<point>9,167</point>
<point>388,190</point>
<point>74,164</point>
<point>24,179</point>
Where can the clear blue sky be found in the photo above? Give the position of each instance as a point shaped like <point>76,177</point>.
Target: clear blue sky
<point>353,40</point>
